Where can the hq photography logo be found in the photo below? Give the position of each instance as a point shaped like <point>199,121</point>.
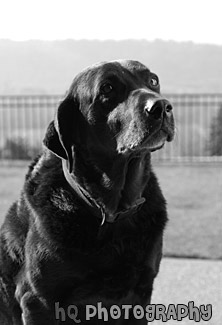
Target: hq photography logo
<point>151,312</point>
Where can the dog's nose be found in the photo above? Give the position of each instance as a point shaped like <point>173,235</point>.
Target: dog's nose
<point>156,108</point>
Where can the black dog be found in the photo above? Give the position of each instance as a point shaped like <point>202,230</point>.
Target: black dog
<point>89,222</point>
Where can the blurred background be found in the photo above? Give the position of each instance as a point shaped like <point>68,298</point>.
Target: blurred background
<point>44,44</point>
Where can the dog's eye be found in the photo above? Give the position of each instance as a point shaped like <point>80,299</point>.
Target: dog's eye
<point>154,82</point>
<point>106,88</point>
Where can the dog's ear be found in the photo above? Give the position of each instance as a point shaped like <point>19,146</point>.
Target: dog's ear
<point>61,133</point>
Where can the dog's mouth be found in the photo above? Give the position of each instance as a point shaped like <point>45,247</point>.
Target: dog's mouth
<point>155,141</point>
<point>150,139</point>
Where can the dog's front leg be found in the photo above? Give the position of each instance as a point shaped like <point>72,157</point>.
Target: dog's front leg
<point>35,312</point>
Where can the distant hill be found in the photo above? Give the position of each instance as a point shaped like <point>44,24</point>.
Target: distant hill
<point>48,67</point>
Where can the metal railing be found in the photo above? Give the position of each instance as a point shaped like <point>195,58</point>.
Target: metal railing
<point>24,119</point>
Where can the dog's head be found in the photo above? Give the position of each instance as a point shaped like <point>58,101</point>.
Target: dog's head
<point>112,108</point>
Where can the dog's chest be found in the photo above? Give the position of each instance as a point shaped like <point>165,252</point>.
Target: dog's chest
<point>117,271</point>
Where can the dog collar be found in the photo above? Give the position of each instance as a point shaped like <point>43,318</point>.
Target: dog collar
<point>94,206</point>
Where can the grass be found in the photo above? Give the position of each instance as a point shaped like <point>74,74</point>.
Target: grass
<point>194,201</point>
<point>193,193</point>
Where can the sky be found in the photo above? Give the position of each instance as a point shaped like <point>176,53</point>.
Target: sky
<point>199,21</point>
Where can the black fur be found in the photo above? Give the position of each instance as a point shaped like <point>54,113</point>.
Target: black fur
<point>52,247</point>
